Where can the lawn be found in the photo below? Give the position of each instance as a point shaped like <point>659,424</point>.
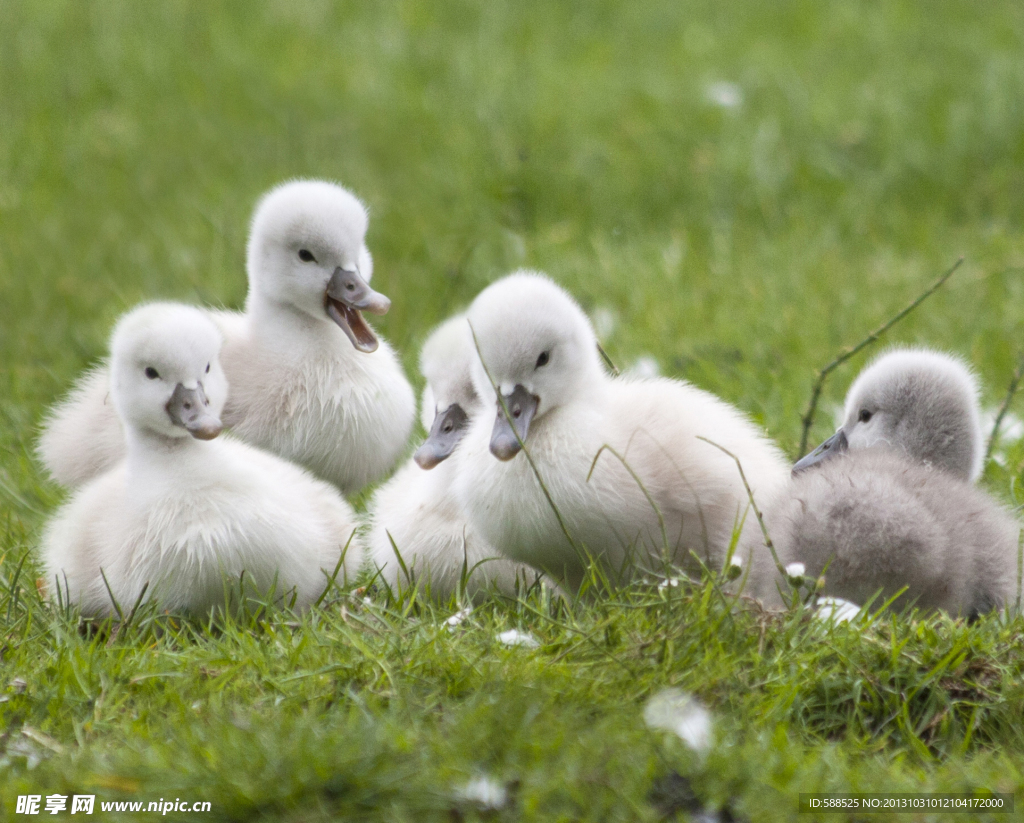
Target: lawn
<point>734,191</point>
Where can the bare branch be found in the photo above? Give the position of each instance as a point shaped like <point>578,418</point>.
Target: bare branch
<point>1010,392</point>
<point>850,351</point>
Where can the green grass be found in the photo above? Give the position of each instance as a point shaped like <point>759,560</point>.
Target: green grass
<point>741,247</point>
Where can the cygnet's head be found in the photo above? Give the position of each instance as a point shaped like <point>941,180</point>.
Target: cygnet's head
<point>448,399</point>
<point>922,403</point>
<point>537,346</point>
<point>165,373</point>
<point>307,252</point>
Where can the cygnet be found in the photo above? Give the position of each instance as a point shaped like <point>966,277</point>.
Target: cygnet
<point>614,468</point>
<point>185,518</point>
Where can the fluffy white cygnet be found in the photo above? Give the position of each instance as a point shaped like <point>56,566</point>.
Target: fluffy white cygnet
<point>888,502</point>
<point>417,508</point>
<point>310,381</point>
<point>186,516</point>
<point>661,495</point>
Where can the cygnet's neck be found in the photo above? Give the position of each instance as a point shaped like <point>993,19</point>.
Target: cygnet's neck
<point>286,328</point>
<point>149,451</point>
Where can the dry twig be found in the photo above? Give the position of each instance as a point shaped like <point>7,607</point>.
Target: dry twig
<point>1010,392</point>
<point>847,353</point>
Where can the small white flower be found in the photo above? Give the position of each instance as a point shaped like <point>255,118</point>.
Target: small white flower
<point>669,582</point>
<point>514,637</point>
<point>458,617</point>
<point>796,571</point>
<point>734,569</point>
<point>486,792</point>
<point>675,711</point>
<point>646,365</point>
<point>836,610</point>
<point>725,94</point>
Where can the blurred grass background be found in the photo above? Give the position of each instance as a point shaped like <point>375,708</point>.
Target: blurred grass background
<point>735,189</point>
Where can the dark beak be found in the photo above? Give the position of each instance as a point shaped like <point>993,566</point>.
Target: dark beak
<point>346,296</point>
<point>445,434</point>
<point>507,436</point>
<point>833,447</point>
<point>190,409</point>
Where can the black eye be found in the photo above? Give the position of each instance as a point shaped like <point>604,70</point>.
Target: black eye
<point>152,373</point>
<point>543,359</point>
<point>207,368</point>
<point>306,256</point>
<point>864,416</point>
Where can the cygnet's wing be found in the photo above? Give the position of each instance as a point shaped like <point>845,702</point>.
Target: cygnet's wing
<point>82,435</point>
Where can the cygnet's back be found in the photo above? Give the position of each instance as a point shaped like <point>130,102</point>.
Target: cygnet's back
<point>887,503</point>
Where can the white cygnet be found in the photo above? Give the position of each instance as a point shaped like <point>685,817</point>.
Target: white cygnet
<point>417,512</point>
<point>310,381</point>
<point>631,483</point>
<point>182,519</point>
<point>888,502</point>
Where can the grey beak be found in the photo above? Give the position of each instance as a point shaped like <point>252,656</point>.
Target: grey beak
<point>445,434</point>
<point>833,447</point>
<point>347,295</point>
<point>190,409</point>
<point>522,406</point>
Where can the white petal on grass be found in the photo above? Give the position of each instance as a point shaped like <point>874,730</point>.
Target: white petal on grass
<point>836,610</point>
<point>646,365</point>
<point>458,617</point>
<point>838,412</point>
<point>1011,432</point>
<point>514,637</point>
<point>605,321</point>
<point>669,582</point>
<point>725,94</point>
<point>485,792</point>
<point>675,711</point>
<point>1012,428</point>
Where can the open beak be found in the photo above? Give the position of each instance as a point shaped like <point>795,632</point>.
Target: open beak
<point>445,434</point>
<point>190,409</point>
<point>833,447</point>
<point>348,295</point>
<point>522,406</point>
